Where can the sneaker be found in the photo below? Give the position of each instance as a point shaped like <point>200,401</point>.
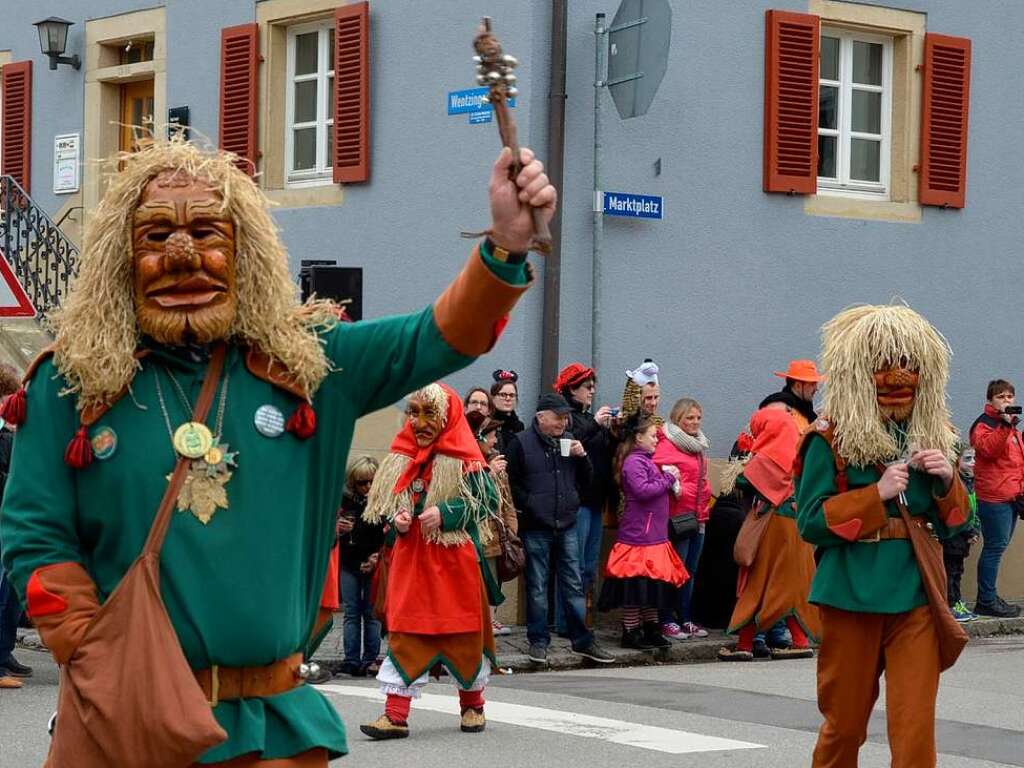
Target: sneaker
<point>500,629</point>
<point>999,609</point>
<point>352,670</point>
<point>961,614</point>
<point>538,654</point>
<point>383,728</point>
<point>694,630</point>
<point>673,631</point>
<point>653,636</point>
<point>15,669</point>
<point>761,650</point>
<point>473,720</point>
<point>595,652</point>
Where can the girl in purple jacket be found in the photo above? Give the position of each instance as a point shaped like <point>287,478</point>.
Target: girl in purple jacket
<point>643,572</point>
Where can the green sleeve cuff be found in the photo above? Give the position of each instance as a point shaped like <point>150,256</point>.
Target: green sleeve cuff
<point>513,274</point>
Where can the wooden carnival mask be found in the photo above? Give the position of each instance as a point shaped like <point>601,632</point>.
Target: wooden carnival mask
<point>896,387</point>
<point>183,249</point>
<point>426,420</point>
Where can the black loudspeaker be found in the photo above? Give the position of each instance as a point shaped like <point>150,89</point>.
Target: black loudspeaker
<point>328,281</point>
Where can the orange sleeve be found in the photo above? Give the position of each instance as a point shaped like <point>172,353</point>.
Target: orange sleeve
<point>855,514</point>
<point>61,600</point>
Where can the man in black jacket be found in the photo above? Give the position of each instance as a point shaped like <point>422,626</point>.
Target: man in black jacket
<point>546,469</point>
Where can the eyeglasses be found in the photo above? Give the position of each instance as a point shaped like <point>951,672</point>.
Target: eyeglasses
<point>506,395</point>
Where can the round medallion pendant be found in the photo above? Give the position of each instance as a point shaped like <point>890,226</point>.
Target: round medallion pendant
<point>418,485</point>
<point>104,443</point>
<point>193,440</point>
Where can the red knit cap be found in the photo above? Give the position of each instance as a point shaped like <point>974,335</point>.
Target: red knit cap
<point>573,375</point>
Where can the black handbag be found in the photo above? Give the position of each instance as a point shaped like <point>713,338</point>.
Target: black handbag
<point>1017,505</point>
<point>682,527</point>
<point>512,559</point>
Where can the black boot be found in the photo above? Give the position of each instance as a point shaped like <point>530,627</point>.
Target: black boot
<point>653,636</point>
<point>634,638</point>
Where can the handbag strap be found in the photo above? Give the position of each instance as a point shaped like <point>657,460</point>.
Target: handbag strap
<point>162,521</point>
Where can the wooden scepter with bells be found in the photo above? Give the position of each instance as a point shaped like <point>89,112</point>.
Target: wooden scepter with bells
<point>494,70</point>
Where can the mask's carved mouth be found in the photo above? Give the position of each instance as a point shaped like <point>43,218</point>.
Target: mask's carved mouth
<point>193,291</point>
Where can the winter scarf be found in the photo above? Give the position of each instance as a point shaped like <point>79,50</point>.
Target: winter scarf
<point>683,441</point>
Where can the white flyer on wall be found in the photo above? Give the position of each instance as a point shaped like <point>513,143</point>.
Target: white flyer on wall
<point>65,163</point>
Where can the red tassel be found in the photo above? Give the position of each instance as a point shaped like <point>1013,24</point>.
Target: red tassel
<point>79,451</point>
<point>842,483</point>
<point>302,423</point>
<point>13,408</point>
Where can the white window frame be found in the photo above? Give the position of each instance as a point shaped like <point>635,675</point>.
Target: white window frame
<point>842,185</point>
<point>323,173</point>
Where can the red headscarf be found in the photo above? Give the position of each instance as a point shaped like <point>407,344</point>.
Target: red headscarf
<point>456,440</point>
<point>770,469</point>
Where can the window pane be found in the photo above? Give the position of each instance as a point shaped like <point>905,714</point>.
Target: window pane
<point>304,149</point>
<point>867,112</point>
<point>329,156</point>
<point>305,53</point>
<point>867,63</point>
<point>330,98</point>
<point>865,159</point>
<point>305,101</point>
<point>827,156</point>
<point>828,107</point>
<point>829,69</point>
<point>330,48</point>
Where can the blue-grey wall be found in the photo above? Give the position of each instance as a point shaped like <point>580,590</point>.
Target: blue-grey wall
<point>728,288</point>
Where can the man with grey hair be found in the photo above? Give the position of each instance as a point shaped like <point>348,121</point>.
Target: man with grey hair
<point>546,468</point>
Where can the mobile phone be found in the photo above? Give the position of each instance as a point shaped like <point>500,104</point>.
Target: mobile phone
<point>1014,410</point>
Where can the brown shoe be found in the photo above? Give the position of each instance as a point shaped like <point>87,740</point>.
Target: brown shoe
<point>9,682</point>
<point>473,720</point>
<point>382,728</point>
<point>792,653</point>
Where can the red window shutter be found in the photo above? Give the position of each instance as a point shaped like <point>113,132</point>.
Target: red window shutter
<point>239,61</point>
<point>352,93</point>
<point>16,153</point>
<point>791,102</point>
<point>947,85</point>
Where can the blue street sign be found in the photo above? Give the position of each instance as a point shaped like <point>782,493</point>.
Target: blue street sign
<point>470,100</point>
<point>634,206</point>
<point>481,117</point>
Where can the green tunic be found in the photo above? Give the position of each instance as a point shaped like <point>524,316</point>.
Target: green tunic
<point>243,590</point>
<point>878,577</point>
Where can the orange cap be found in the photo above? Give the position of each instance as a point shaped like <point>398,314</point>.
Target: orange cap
<point>801,370</point>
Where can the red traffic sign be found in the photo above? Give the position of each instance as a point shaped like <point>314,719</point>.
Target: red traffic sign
<point>14,302</point>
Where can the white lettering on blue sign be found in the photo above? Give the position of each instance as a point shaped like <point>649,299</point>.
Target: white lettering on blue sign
<point>634,206</point>
<point>470,100</point>
<point>481,117</point>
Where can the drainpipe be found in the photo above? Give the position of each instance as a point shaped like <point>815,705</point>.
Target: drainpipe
<point>555,162</point>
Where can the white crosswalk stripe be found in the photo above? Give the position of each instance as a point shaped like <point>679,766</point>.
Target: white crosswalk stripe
<point>569,723</point>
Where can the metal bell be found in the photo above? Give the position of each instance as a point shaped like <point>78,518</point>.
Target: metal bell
<point>304,670</point>
<point>481,80</point>
<point>477,60</point>
<point>510,78</point>
<point>512,91</point>
<point>314,668</point>
<point>510,61</point>
<point>494,76</point>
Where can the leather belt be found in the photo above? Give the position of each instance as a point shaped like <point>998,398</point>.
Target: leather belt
<point>223,683</point>
<point>894,528</point>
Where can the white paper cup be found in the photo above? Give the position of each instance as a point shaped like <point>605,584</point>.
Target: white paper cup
<point>565,445</point>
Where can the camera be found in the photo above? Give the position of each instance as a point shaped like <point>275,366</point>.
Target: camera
<point>1013,410</point>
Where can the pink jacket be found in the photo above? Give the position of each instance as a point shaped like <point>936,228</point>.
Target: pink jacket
<point>693,476</point>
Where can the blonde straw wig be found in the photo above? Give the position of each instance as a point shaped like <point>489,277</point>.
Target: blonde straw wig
<point>864,339</point>
<point>97,332</point>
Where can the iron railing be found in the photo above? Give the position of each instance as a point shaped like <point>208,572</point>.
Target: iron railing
<point>43,259</point>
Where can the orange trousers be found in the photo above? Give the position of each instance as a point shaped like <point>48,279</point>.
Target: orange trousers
<point>855,649</point>
<point>314,758</point>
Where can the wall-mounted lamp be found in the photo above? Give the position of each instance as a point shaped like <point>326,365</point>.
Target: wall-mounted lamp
<point>53,38</point>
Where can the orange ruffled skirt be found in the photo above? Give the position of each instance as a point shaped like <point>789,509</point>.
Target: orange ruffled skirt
<point>642,575</point>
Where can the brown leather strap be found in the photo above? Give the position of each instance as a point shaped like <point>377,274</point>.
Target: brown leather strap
<point>155,540</point>
<point>895,528</point>
<point>223,683</point>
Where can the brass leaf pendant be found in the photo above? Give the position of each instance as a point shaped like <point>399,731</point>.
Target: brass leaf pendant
<point>203,492</point>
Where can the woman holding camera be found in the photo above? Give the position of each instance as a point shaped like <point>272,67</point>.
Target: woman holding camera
<point>999,485</point>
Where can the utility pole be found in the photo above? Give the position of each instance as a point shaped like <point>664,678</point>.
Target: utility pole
<point>600,48</point>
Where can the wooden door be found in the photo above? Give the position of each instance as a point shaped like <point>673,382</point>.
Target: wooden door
<point>136,115</point>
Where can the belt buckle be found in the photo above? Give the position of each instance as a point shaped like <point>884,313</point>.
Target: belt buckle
<point>872,539</point>
<point>214,685</point>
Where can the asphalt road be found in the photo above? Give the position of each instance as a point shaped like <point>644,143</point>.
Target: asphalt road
<point>729,715</point>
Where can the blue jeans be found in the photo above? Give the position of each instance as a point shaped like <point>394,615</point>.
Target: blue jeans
<point>10,612</point>
<point>359,626</point>
<point>539,547</point>
<point>997,524</point>
<point>589,533</point>
<point>776,637</point>
<point>689,552</point>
